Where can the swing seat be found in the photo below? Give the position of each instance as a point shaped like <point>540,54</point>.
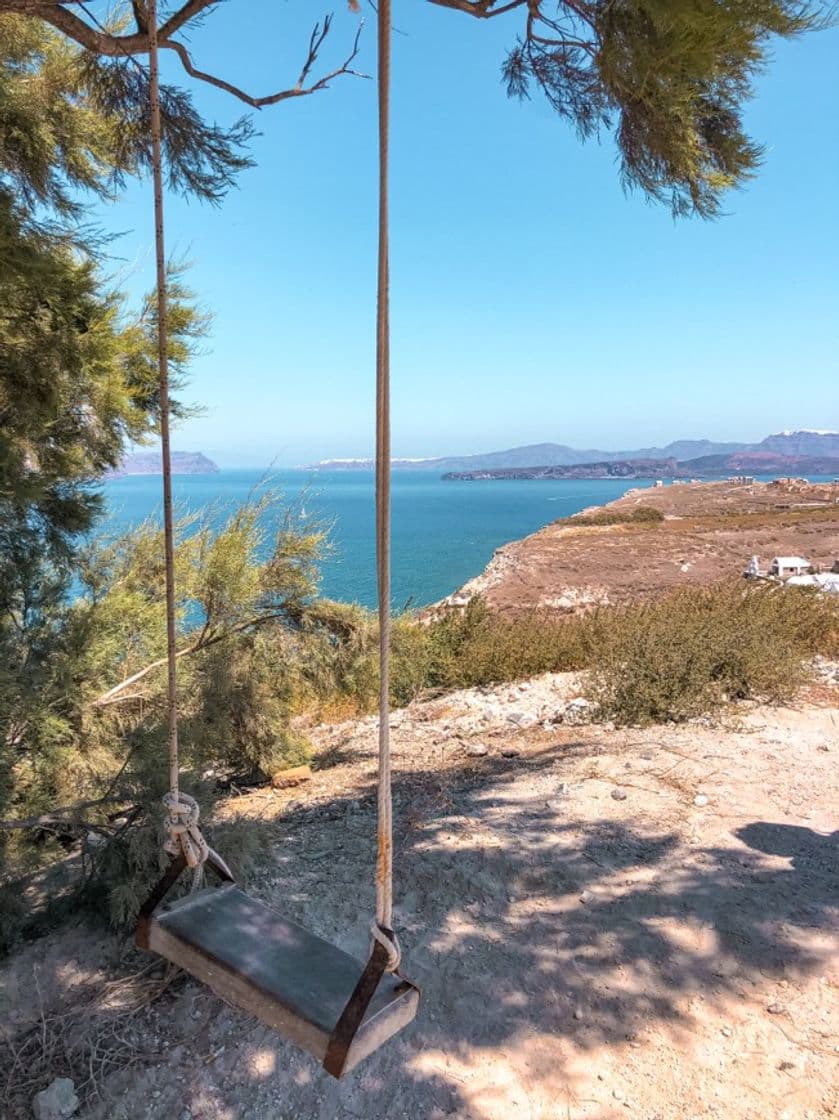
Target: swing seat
<point>290,979</point>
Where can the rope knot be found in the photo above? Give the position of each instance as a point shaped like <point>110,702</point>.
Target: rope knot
<point>390,941</point>
<point>182,832</point>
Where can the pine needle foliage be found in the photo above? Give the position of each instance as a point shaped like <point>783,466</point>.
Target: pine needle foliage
<point>669,78</point>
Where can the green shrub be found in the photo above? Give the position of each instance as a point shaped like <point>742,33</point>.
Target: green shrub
<point>699,648</point>
<point>640,515</point>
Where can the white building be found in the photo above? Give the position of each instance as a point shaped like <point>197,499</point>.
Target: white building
<point>782,567</point>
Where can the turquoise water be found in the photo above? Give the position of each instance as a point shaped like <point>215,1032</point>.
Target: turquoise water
<point>443,532</point>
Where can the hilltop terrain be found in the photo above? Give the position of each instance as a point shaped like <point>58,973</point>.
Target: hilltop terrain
<point>799,444</point>
<point>741,462</point>
<point>148,462</point>
<point>709,531</point>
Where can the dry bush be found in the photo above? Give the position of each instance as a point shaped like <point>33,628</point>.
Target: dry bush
<point>699,648</point>
<point>641,515</point>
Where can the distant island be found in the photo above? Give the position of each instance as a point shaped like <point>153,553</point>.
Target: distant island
<point>148,462</point>
<point>781,451</point>
<point>706,466</point>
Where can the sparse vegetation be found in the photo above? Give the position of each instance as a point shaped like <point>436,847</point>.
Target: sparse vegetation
<point>609,515</point>
<point>699,648</point>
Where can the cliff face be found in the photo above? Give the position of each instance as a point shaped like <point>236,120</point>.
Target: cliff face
<point>628,468</point>
<point>148,462</point>
<point>740,462</point>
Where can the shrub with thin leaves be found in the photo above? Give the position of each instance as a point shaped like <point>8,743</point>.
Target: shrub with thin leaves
<point>697,649</point>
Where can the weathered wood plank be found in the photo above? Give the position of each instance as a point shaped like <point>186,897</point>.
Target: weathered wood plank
<point>293,981</point>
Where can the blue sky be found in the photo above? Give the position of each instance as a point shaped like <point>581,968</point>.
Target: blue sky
<point>532,299</point>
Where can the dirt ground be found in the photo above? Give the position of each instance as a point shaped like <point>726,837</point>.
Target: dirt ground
<point>710,532</point>
<point>604,924</point>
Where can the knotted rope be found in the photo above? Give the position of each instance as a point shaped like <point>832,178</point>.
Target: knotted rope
<point>182,832</point>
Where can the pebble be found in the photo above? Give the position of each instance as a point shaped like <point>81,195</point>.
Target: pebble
<point>586,896</point>
<point>509,752</point>
<point>619,794</point>
<point>617,1094</point>
<point>477,750</point>
<point>57,1102</point>
<point>579,1013</point>
<point>727,1031</point>
<point>700,800</point>
<point>776,1008</point>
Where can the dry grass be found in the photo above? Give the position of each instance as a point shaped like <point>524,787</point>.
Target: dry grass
<point>86,1042</point>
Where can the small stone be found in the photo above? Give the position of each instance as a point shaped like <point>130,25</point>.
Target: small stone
<point>509,752</point>
<point>784,1067</point>
<point>293,776</point>
<point>824,747</point>
<point>617,1094</point>
<point>618,794</point>
<point>776,1008</point>
<point>727,1031</point>
<point>586,896</point>
<point>57,1102</point>
<point>700,800</point>
<point>579,1013</point>
<point>647,757</point>
<point>477,750</point>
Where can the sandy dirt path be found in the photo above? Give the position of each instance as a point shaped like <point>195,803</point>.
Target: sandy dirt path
<point>604,924</point>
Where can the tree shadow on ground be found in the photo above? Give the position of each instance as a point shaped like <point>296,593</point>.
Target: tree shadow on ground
<point>524,926</point>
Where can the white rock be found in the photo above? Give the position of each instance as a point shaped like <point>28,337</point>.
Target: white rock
<point>476,750</point>
<point>522,719</point>
<point>57,1102</point>
<point>700,800</point>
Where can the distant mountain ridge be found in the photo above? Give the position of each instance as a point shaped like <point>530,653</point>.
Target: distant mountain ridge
<point>148,462</point>
<point>803,443</point>
<point>705,466</point>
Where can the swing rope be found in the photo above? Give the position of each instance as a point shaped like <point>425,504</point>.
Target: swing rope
<point>183,835</point>
<point>382,930</point>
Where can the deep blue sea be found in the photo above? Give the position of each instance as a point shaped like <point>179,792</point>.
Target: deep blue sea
<point>443,532</point>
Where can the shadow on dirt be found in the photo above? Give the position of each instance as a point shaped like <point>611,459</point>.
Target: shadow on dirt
<point>517,921</point>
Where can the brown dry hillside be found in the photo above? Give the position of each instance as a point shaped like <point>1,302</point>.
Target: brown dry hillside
<point>709,532</point>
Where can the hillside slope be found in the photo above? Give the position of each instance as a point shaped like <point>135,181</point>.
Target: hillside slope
<point>710,531</point>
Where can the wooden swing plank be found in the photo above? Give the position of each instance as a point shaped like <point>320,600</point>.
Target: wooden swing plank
<point>292,980</point>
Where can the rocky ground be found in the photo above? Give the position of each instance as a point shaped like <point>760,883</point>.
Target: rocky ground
<point>710,531</point>
<point>605,924</point>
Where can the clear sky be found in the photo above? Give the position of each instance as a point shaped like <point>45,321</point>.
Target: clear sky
<point>532,299</point>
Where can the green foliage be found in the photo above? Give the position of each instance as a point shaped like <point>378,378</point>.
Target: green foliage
<point>83,693</point>
<point>670,77</point>
<point>697,649</point>
<point>685,654</point>
<point>71,122</point>
<point>607,515</point>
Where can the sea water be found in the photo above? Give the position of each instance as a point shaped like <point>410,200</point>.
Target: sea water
<point>444,532</point>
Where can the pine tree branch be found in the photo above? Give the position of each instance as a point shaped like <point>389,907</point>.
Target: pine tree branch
<point>98,40</point>
<point>114,695</point>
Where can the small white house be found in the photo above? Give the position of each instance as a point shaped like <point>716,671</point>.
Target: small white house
<point>782,567</point>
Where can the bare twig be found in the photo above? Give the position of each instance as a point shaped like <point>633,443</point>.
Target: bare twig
<point>99,40</point>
